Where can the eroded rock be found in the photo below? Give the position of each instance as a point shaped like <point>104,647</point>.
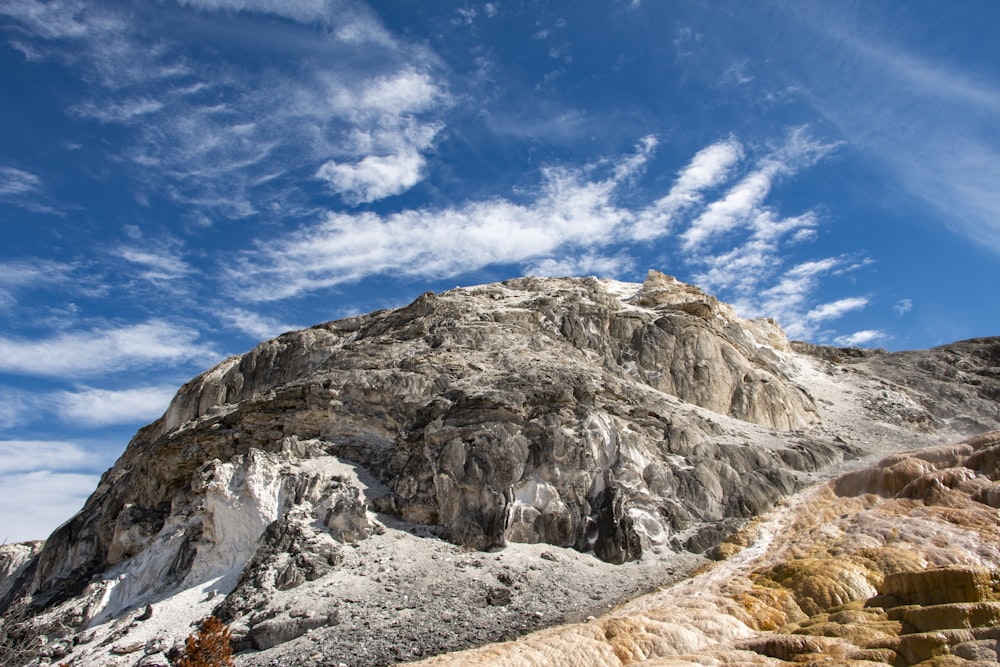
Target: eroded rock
<point>599,416</point>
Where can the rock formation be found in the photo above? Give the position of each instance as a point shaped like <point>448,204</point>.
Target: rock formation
<point>571,427</point>
<point>854,574</point>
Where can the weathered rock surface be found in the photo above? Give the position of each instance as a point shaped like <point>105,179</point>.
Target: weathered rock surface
<point>611,422</point>
<point>860,578</point>
<point>957,385</point>
<point>535,410</point>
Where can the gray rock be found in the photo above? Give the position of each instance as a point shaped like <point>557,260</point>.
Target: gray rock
<point>270,633</point>
<point>465,404</point>
<point>578,413</point>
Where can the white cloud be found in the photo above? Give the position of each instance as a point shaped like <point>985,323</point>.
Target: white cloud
<point>709,168</point>
<point>566,229</point>
<point>16,407</point>
<point>24,189</point>
<point>33,504</point>
<point>761,288</point>
<point>632,166</point>
<point>104,350</point>
<point>349,22</point>
<point>160,267</point>
<point>31,455</point>
<point>738,244</point>
<point>221,136</point>
<point>118,112</point>
<point>255,325</point>
<point>464,16</point>
<point>92,407</point>
<point>26,274</point>
<point>54,20</point>
<point>789,297</point>
<point>373,177</point>
<point>569,212</point>
<point>861,338</point>
<point>742,204</point>
<point>736,207</point>
<point>903,306</point>
<point>15,181</point>
<point>835,309</point>
<point>307,10</point>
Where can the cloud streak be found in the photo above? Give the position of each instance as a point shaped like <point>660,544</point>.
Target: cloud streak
<point>17,276</point>
<point>29,455</point>
<point>570,211</point>
<point>931,123</point>
<point>232,140</point>
<point>91,407</point>
<point>254,324</point>
<point>104,350</point>
<point>14,182</point>
<point>574,224</point>
<point>33,504</point>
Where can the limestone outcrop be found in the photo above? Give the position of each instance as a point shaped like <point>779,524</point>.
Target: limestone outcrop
<point>594,423</point>
<point>552,411</point>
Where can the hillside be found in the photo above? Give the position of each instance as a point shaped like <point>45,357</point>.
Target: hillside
<point>497,459</point>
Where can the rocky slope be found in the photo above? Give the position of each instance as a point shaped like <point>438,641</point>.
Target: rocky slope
<point>895,564</point>
<point>475,465</point>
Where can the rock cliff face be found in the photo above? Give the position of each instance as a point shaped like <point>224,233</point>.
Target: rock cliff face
<point>636,423</point>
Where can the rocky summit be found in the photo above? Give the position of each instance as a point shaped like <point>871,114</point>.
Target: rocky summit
<point>491,461</point>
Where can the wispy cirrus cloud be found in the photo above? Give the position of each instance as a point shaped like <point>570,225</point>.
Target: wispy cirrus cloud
<point>28,455</point>
<point>24,189</point>
<point>571,211</point>
<point>358,110</point>
<point>788,294</point>
<point>254,324</point>
<point>742,203</point>
<point>103,350</point>
<point>927,120</point>
<point>16,407</point>
<point>92,407</point>
<point>158,266</point>
<point>303,11</point>
<point>19,275</point>
<point>575,224</point>
<point>33,504</point>
<point>709,168</point>
<point>41,486</point>
<point>738,245</point>
<point>15,182</point>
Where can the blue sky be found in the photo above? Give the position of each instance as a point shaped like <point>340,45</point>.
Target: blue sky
<point>182,179</point>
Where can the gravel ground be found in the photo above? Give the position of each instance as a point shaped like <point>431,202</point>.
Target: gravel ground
<point>406,594</point>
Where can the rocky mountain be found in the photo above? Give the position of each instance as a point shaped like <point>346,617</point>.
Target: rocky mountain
<point>472,467</point>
